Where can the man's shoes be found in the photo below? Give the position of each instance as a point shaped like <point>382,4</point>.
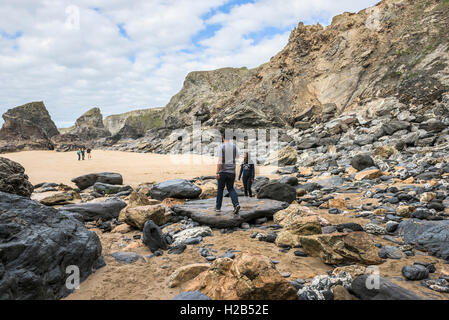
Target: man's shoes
<point>236,209</point>
<point>217,210</point>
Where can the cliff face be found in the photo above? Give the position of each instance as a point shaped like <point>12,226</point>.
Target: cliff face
<point>27,127</point>
<point>200,95</point>
<point>396,49</point>
<point>134,124</point>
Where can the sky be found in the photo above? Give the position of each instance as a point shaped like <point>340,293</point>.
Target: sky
<point>122,55</point>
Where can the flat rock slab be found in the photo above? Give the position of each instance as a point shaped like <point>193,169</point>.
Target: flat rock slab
<point>91,211</point>
<point>203,211</point>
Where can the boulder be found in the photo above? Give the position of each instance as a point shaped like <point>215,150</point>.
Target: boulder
<point>178,188</point>
<point>405,211</point>
<point>288,216</point>
<point>88,180</point>
<point>393,126</point>
<point>259,182</point>
<point>186,273</point>
<point>277,191</point>
<point>293,181</point>
<point>287,157</point>
<point>153,237</point>
<point>92,211</point>
<point>415,272</point>
<point>183,236</point>
<point>104,188</point>
<point>386,290</point>
<point>248,277</point>
<point>203,211</point>
<point>58,198</point>
<point>431,236</point>
<point>38,244</point>
<point>137,216</point>
<point>368,174</point>
<point>362,162</point>
<point>300,226</point>
<point>137,199</point>
<point>336,248</point>
<point>13,178</point>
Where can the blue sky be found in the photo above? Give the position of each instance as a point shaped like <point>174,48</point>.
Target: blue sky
<point>120,55</point>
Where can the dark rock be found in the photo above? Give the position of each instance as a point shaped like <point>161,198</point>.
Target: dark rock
<point>391,226</point>
<point>277,191</point>
<point>415,272</point>
<point>429,266</point>
<point>351,226</point>
<point>300,254</point>
<point>127,257</point>
<point>37,244</point>
<point>177,249</point>
<point>432,236</point>
<point>361,162</point>
<point>178,188</point>
<point>436,205</point>
<point>13,178</point>
<point>293,181</point>
<point>393,126</point>
<point>91,211</point>
<point>195,240</point>
<point>310,187</point>
<point>104,188</point>
<point>153,237</point>
<point>202,211</point>
<point>386,291</point>
<point>88,180</point>
<point>259,182</point>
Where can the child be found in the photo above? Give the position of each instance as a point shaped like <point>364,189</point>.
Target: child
<point>79,154</point>
<point>248,171</point>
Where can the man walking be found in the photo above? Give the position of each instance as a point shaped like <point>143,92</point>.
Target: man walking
<point>226,173</point>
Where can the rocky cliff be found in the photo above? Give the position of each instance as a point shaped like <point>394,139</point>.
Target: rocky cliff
<point>134,124</point>
<point>200,95</point>
<point>397,49</point>
<point>27,127</point>
<point>331,86</point>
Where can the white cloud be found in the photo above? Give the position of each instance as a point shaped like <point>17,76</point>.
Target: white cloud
<point>72,70</point>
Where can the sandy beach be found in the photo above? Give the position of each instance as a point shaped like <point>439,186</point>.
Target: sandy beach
<point>136,168</point>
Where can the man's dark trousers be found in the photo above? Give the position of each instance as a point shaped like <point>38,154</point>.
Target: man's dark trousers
<point>226,180</point>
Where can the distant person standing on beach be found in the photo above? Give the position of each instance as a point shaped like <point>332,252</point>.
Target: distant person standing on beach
<point>226,173</point>
<point>248,171</point>
<point>89,150</point>
<point>83,151</point>
<point>79,154</point>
